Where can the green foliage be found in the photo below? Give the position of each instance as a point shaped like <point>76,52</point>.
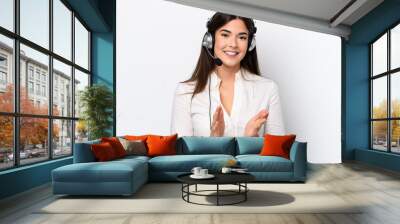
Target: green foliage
<point>96,102</point>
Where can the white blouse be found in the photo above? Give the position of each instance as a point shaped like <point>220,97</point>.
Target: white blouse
<point>252,93</point>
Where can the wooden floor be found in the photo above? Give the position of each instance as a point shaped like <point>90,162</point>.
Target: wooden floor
<point>378,188</point>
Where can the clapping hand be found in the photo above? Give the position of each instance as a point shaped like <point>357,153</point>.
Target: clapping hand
<point>218,123</point>
<point>255,123</point>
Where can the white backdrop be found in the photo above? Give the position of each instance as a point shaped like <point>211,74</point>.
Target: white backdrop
<point>158,44</point>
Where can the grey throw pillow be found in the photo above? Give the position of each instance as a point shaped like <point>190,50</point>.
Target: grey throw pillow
<point>137,147</point>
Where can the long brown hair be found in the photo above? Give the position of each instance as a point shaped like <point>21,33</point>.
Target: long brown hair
<point>205,64</point>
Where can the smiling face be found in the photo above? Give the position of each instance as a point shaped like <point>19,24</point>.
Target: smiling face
<point>231,42</point>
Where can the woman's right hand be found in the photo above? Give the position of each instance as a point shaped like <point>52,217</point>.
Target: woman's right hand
<point>218,123</point>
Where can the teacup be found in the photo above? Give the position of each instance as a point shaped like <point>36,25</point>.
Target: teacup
<point>203,172</point>
<point>196,170</point>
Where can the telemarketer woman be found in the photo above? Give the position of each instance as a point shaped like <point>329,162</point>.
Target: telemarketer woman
<point>226,95</point>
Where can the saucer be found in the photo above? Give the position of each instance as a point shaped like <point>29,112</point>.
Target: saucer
<point>208,176</point>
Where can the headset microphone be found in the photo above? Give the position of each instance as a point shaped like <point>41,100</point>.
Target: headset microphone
<point>217,61</point>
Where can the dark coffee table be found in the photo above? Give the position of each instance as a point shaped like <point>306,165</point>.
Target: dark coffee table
<point>239,179</point>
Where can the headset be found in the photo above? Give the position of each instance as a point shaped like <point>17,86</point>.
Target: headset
<point>208,44</point>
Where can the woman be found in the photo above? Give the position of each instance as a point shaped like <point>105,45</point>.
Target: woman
<point>227,83</point>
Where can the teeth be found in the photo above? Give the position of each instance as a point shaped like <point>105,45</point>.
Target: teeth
<point>231,53</point>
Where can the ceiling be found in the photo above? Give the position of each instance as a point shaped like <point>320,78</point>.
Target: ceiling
<point>327,16</point>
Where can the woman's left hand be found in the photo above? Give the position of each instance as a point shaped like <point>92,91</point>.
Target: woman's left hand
<point>255,123</point>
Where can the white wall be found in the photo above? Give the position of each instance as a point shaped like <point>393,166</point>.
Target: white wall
<point>158,44</point>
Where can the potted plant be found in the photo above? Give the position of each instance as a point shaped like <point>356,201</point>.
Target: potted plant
<point>96,102</point>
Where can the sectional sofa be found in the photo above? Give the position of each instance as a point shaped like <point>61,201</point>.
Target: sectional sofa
<point>126,175</point>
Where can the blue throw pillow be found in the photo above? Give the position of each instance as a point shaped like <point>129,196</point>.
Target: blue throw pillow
<point>249,145</point>
<point>192,145</point>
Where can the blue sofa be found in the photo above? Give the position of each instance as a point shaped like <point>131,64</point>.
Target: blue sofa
<point>125,176</point>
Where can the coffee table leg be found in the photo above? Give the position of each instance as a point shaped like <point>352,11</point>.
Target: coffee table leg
<point>217,194</point>
<point>245,193</point>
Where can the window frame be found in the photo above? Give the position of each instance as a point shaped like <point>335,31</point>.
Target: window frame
<point>388,74</point>
<point>15,72</point>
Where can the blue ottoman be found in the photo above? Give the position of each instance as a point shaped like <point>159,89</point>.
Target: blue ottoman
<point>118,177</point>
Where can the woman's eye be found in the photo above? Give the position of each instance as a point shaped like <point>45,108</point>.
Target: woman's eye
<point>224,35</point>
<point>243,38</point>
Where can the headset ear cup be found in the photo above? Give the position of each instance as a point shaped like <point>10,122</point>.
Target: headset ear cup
<point>207,41</point>
<point>253,43</point>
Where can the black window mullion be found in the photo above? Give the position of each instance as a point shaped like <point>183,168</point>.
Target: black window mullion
<point>73,82</point>
<point>16,84</point>
<point>371,137</point>
<point>50,87</point>
<point>388,95</point>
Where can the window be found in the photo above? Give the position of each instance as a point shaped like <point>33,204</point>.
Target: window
<point>30,72</point>
<point>43,77</point>
<point>62,75</point>
<point>35,21</point>
<point>38,89</point>
<point>81,45</point>
<point>43,90</point>
<point>3,72</point>
<point>7,14</point>
<point>3,78</point>
<point>30,87</point>
<point>385,91</point>
<point>62,29</point>
<point>37,75</point>
<point>3,61</point>
<point>55,127</point>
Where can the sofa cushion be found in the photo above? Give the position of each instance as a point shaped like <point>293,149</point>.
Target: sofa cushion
<point>103,152</point>
<point>111,171</point>
<point>249,145</point>
<point>185,163</point>
<point>257,163</point>
<point>116,145</point>
<point>161,145</point>
<point>134,147</point>
<point>277,145</point>
<point>195,145</point>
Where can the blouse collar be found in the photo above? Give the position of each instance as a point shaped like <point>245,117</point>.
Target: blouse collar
<point>216,81</point>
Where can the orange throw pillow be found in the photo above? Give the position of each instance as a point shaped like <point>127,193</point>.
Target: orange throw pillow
<point>277,145</point>
<point>103,152</point>
<point>161,145</point>
<point>135,138</point>
<point>142,138</point>
<point>116,145</point>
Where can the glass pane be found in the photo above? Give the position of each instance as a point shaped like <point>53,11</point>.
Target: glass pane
<point>6,142</point>
<point>62,137</point>
<point>379,135</point>
<point>395,95</point>
<point>7,14</point>
<point>81,131</point>
<point>395,136</point>
<point>62,29</point>
<point>81,81</point>
<point>34,97</point>
<point>35,21</point>
<point>395,47</point>
<point>6,74</point>
<point>33,139</point>
<point>379,55</point>
<point>62,89</point>
<point>81,45</point>
<point>379,99</point>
